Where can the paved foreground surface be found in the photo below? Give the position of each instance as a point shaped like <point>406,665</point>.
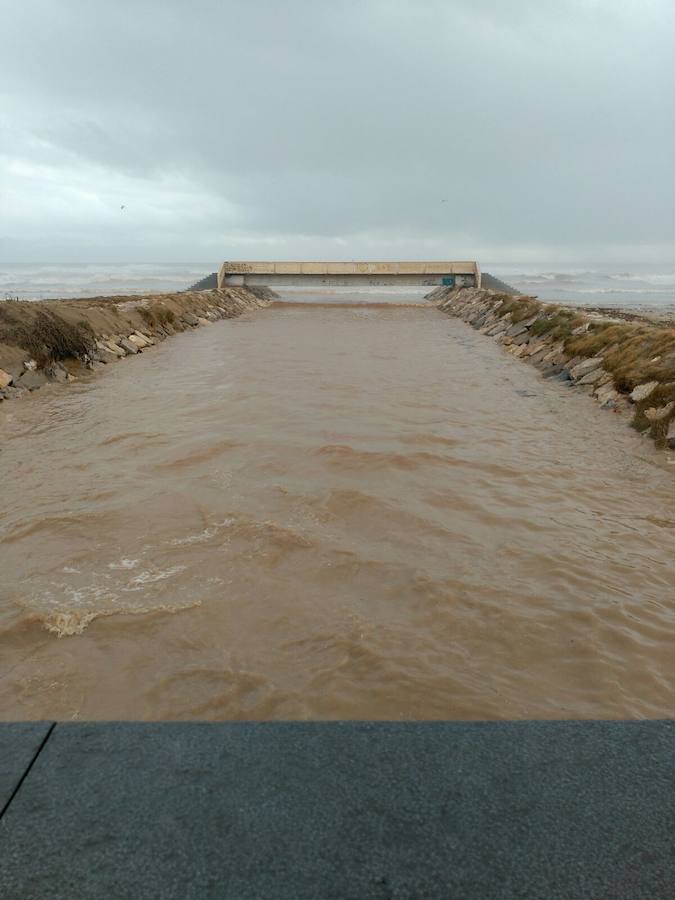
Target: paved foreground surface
<point>353,810</point>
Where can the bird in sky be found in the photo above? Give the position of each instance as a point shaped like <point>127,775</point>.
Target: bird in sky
<point>122,207</point>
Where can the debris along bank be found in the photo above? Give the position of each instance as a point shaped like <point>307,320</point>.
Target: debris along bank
<point>53,340</point>
<point>626,366</point>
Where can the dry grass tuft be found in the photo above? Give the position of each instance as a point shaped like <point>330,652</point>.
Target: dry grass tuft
<point>165,316</point>
<point>521,308</point>
<point>638,353</point>
<point>556,323</point>
<point>643,356</point>
<point>148,316</point>
<point>157,315</point>
<point>46,336</point>
<point>660,397</point>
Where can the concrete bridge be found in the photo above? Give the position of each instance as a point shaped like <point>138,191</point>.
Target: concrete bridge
<point>461,274</point>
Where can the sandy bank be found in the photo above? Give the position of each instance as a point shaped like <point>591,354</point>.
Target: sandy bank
<point>626,365</point>
<point>52,340</point>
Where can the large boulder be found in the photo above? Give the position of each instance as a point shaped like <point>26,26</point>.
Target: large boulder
<point>32,380</point>
<point>556,356</point>
<point>516,329</point>
<point>113,348</point>
<point>659,413</point>
<point>642,391</point>
<point>12,392</point>
<point>585,367</point>
<point>138,341</point>
<point>597,376</point>
<point>606,391</point>
<point>129,346</point>
<point>104,355</point>
<point>56,372</point>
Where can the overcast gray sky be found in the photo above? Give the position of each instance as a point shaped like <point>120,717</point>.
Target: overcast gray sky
<point>502,129</point>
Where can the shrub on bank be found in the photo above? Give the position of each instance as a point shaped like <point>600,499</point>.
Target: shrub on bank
<point>45,335</point>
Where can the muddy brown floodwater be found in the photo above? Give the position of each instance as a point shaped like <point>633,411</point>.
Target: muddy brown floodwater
<point>331,512</point>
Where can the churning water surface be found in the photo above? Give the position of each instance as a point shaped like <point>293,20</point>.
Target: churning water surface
<point>322,511</point>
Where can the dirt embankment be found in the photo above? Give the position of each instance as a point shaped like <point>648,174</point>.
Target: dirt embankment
<point>52,340</point>
<point>627,366</point>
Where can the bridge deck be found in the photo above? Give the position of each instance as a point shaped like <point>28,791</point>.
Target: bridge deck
<point>419,271</point>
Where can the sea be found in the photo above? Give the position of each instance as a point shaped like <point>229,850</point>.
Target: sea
<point>628,287</point>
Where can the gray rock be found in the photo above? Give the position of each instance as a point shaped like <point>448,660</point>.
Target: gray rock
<point>585,367</point>
<point>104,356</point>
<point>642,391</point>
<point>56,372</point>
<point>144,337</point>
<point>555,372</point>
<point>571,363</point>
<point>112,347</point>
<point>607,392</point>
<point>594,377</point>
<point>32,380</point>
<point>129,346</point>
<point>516,329</point>
<point>191,320</point>
<point>657,414</point>
<point>139,341</point>
<point>537,345</point>
<point>554,352</point>
<point>13,392</point>
<point>499,328</point>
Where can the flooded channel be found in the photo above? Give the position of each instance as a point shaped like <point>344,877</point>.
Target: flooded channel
<point>326,511</point>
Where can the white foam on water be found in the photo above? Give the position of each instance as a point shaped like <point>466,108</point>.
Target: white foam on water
<point>66,610</point>
<point>124,564</point>
<point>202,536</point>
<point>150,577</point>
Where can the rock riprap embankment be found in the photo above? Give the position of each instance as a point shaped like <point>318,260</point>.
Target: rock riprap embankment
<point>54,340</point>
<point>626,366</point>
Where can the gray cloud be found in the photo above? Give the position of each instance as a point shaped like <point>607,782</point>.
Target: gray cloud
<point>231,128</point>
